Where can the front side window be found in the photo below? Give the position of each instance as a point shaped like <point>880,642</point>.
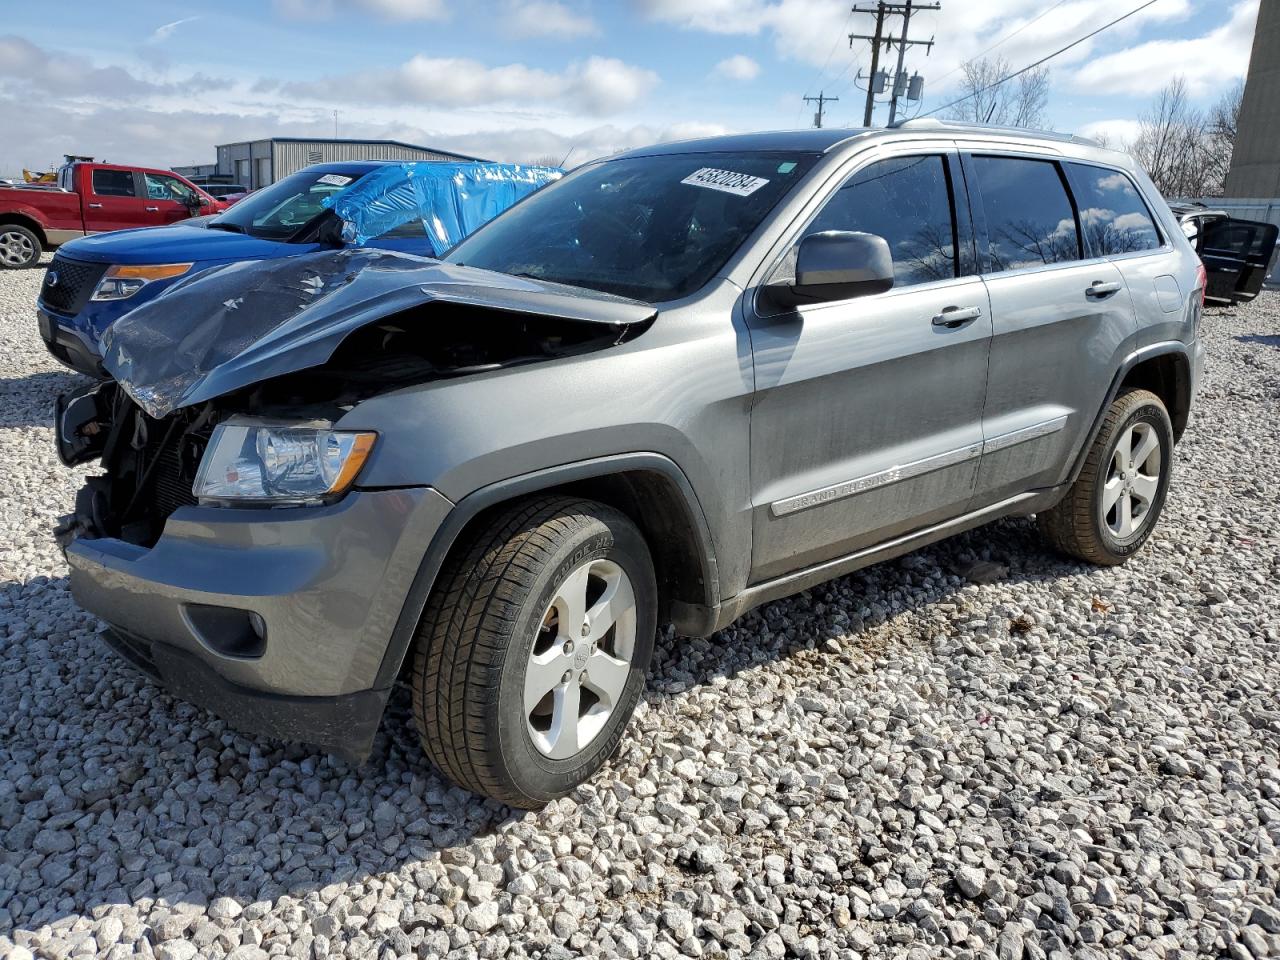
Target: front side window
<point>1113,216</point>
<point>652,228</point>
<point>160,187</point>
<point>906,200</point>
<point>113,183</point>
<point>1030,221</point>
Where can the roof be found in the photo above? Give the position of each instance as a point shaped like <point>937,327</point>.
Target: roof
<point>803,141</point>
<point>828,139</point>
<point>383,143</point>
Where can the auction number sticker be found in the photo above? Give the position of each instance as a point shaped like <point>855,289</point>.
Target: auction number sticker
<point>726,181</point>
<point>334,180</point>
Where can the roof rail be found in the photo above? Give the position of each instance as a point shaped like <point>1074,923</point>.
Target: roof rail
<point>931,123</point>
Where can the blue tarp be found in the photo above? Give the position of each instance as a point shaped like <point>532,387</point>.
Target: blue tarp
<point>450,199</point>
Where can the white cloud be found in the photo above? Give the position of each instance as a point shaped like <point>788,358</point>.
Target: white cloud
<point>34,69</point>
<point>1116,132</point>
<point>1205,62</point>
<point>738,67</point>
<point>547,18</point>
<point>598,85</point>
<point>396,10</point>
<point>165,31</point>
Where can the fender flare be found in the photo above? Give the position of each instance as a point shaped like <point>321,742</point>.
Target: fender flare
<point>1165,348</point>
<point>690,617</point>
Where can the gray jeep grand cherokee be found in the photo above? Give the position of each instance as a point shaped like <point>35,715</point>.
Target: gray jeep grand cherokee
<point>679,383</point>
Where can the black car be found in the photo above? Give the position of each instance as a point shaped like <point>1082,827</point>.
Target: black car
<point>1236,253</point>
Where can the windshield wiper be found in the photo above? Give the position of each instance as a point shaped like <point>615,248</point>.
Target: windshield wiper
<point>230,227</point>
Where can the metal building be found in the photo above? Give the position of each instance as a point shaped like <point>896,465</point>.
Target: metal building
<point>1255,165</point>
<point>256,163</point>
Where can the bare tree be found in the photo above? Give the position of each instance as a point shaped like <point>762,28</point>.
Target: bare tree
<point>1186,151</point>
<point>1223,122</point>
<point>1019,102</point>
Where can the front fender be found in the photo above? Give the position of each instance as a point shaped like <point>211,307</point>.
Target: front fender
<point>691,619</point>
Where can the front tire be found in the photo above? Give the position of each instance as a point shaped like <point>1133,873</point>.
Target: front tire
<point>19,247</point>
<point>1111,509</point>
<point>533,649</point>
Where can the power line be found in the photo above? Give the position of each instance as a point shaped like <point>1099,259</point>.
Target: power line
<point>1005,39</point>
<point>822,72</point>
<point>1032,66</point>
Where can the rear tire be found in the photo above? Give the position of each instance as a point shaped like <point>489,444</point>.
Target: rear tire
<point>553,593</point>
<point>19,247</point>
<point>1112,507</point>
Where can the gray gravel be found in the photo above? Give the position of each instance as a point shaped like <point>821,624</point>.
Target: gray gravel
<point>1055,760</point>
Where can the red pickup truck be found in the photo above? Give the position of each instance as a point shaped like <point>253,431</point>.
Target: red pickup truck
<point>93,198</point>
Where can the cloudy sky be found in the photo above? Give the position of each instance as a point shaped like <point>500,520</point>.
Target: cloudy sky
<point>146,82</point>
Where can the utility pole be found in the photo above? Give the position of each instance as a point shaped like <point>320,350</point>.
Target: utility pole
<point>880,9</point>
<point>878,40</point>
<point>821,100</point>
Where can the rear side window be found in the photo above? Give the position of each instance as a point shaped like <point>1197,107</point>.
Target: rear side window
<point>1030,220</point>
<point>113,183</point>
<point>906,200</point>
<point>1113,215</point>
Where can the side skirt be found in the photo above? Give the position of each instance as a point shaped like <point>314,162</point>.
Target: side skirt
<point>784,586</point>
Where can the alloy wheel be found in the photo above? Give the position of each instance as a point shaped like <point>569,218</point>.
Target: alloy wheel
<point>15,248</point>
<point>1133,479</point>
<point>581,659</point>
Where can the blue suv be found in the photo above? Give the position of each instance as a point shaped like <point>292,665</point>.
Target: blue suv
<point>416,208</point>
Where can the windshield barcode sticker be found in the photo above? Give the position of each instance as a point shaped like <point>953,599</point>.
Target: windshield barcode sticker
<point>334,180</point>
<point>726,181</point>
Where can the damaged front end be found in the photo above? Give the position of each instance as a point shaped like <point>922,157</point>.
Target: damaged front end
<point>300,343</point>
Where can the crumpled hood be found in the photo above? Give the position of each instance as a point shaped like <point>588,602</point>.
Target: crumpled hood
<point>234,325</point>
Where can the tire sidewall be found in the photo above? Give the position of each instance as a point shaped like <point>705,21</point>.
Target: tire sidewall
<point>533,773</point>
<point>35,247</point>
<point>1155,415</point>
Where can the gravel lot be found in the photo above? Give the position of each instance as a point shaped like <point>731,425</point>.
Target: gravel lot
<point>1053,761</point>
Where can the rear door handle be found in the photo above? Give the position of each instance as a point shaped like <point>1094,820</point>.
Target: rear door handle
<point>1100,288</point>
<point>95,206</point>
<point>952,317</point>
<point>152,209</point>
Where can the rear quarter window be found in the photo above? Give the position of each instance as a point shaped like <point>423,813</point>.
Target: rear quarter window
<point>1113,216</point>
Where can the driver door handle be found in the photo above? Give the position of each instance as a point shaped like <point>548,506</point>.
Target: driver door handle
<point>953,317</point>
<point>1100,288</point>
<point>95,206</point>
<point>152,209</point>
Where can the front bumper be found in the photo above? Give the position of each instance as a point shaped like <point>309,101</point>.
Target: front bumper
<point>277,620</point>
<point>69,346</point>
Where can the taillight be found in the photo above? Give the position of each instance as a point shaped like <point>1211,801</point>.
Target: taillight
<point>1202,278</point>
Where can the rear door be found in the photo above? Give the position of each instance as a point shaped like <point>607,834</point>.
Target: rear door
<point>1237,255</point>
<point>1058,318</point>
<point>867,418</point>
<point>112,201</point>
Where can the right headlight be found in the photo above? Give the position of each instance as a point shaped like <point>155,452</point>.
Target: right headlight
<point>122,282</point>
<point>280,464</point>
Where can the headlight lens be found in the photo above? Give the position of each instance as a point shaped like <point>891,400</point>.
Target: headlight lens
<point>122,282</point>
<point>280,464</point>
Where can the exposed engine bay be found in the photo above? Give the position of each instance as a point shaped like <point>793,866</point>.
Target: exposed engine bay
<point>151,463</point>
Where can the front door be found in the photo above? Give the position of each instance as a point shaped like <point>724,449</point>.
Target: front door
<point>168,199</point>
<point>867,416</point>
<point>1237,255</point>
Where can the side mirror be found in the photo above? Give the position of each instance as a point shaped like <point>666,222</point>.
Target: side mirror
<point>836,265</point>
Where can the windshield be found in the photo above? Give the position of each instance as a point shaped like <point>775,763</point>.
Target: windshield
<point>280,211</point>
<point>652,228</point>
